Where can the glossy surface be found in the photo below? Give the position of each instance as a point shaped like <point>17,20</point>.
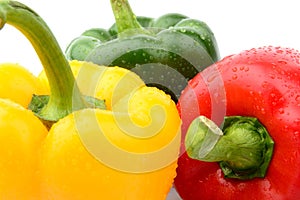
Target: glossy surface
<point>21,136</point>
<point>264,83</point>
<point>111,154</point>
<point>18,84</point>
<point>69,171</point>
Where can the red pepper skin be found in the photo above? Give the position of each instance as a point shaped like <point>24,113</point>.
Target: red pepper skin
<point>262,83</point>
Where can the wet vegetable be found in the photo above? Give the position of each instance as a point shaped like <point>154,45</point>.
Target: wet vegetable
<point>263,84</point>
<point>118,151</point>
<point>165,52</point>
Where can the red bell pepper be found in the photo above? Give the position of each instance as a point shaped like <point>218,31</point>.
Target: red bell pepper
<point>231,159</point>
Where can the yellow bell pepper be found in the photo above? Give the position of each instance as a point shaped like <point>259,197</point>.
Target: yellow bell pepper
<point>110,164</point>
<point>18,84</point>
<point>127,151</point>
<point>21,136</point>
<point>115,81</point>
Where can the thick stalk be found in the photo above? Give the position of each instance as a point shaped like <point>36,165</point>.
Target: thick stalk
<point>65,95</point>
<point>243,148</point>
<point>126,21</point>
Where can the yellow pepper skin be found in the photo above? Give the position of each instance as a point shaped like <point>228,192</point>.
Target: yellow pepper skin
<point>127,151</point>
<point>18,84</point>
<point>69,171</point>
<point>113,79</point>
<point>21,136</point>
<point>57,179</point>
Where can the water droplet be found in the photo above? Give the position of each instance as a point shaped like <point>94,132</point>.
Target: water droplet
<point>194,84</point>
<point>281,110</point>
<point>234,69</point>
<point>212,77</point>
<point>297,121</point>
<point>281,99</point>
<point>295,153</point>
<point>180,87</point>
<point>234,77</point>
<point>265,84</point>
<point>297,98</point>
<point>282,62</point>
<point>279,51</point>
<point>272,76</point>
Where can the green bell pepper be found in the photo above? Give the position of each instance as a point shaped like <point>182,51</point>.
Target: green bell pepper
<point>165,52</point>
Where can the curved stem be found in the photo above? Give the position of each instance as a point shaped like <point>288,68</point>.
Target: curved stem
<point>125,18</point>
<point>244,149</point>
<point>65,95</point>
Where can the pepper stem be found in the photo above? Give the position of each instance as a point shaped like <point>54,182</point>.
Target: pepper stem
<point>126,21</point>
<point>243,149</point>
<point>65,95</point>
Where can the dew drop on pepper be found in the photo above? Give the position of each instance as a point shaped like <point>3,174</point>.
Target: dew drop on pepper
<point>297,98</point>
<point>234,77</point>
<point>281,110</point>
<point>194,84</point>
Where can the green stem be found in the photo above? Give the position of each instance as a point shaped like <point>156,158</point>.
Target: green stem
<point>125,18</point>
<point>244,148</point>
<point>65,95</point>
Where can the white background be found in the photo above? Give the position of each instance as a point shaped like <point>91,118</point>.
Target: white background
<point>237,24</point>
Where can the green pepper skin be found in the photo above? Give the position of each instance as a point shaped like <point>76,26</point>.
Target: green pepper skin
<point>80,47</point>
<point>165,52</point>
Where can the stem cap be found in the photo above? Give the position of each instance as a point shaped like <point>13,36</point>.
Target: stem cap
<point>244,150</point>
